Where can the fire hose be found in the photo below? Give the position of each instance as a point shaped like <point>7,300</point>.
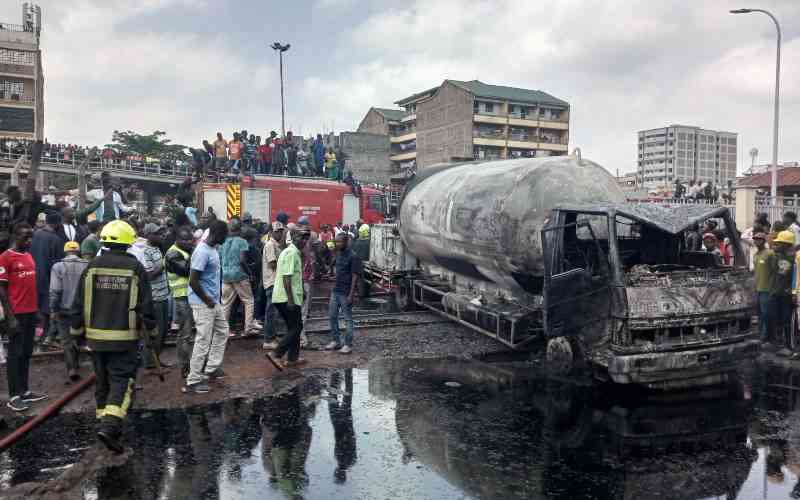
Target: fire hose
<point>47,413</point>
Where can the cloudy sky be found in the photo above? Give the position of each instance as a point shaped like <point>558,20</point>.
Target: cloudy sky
<point>192,67</point>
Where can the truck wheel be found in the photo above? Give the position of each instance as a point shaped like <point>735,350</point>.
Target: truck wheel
<point>403,298</point>
<point>560,355</point>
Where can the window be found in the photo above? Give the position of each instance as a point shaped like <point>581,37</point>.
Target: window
<point>10,87</point>
<point>19,57</point>
<point>376,203</point>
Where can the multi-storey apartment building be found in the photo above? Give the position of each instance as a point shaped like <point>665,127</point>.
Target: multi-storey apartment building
<point>21,78</point>
<point>472,120</point>
<point>686,153</point>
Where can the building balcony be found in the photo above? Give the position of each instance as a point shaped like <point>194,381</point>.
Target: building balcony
<point>404,156</point>
<point>397,149</point>
<point>485,118</point>
<point>489,133</point>
<point>482,141</point>
<point>16,99</point>
<point>396,139</point>
<point>411,117</point>
<point>16,69</point>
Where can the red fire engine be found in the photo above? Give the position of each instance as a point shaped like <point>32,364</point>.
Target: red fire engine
<point>323,201</point>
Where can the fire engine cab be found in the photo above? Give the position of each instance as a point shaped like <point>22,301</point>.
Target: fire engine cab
<point>322,200</point>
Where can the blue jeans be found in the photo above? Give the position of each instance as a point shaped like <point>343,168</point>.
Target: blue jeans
<point>234,165</point>
<point>269,316</point>
<point>339,301</point>
<point>763,315</point>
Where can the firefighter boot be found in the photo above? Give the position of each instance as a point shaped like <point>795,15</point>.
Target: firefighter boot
<point>110,433</point>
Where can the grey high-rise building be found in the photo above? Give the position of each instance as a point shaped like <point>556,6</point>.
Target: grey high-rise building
<point>686,153</point>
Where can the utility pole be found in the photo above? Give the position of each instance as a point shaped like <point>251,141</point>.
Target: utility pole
<point>774,187</point>
<point>281,49</point>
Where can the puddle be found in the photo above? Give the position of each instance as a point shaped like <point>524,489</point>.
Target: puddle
<point>442,429</point>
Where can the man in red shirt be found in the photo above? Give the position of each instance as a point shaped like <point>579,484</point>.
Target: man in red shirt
<point>265,157</point>
<point>18,297</point>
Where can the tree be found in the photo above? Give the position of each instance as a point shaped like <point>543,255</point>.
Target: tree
<point>155,144</point>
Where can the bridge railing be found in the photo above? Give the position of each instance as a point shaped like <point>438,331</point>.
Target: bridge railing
<point>70,162</point>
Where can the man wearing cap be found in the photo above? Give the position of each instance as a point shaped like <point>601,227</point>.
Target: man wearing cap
<point>781,291</point>
<point>711,246</point>
<point>309,254</point>
<point>287,295</point>
<point>269,264</point>
<point>764,266</point>
<point>64,279</point>
<point>153,262</point>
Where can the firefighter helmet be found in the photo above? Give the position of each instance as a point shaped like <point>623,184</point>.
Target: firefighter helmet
<point>119,232</point>
<point>785,237</point>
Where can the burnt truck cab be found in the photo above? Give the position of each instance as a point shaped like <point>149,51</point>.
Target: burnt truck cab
<point>622,289</point>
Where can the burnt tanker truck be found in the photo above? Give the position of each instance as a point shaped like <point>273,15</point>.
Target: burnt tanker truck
<point>547,251</point>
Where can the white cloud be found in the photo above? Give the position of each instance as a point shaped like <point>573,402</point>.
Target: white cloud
<point>623,65</point>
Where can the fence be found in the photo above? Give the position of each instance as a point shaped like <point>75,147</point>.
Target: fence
<point>775,209</point>
<point>70,162</point>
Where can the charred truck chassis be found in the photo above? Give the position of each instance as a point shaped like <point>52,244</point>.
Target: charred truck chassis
<point>547,249</point>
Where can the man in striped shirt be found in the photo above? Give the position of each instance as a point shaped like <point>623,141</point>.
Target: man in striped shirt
<point>153,262</point>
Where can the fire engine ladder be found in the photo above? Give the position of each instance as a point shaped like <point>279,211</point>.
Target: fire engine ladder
<point>513,326</point>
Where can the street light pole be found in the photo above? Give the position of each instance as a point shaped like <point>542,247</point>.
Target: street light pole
<point>774,189</point>
<point>281,49</point>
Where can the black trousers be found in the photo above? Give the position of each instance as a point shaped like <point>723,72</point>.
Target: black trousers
<point>290,344</point>
<point>20,350</point>
<point>116,375</point>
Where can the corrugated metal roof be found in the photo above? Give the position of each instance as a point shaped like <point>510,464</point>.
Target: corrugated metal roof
<point>391,114</point>
<point>414,97</point>
<point>789,176</point>
<point>480,89</point>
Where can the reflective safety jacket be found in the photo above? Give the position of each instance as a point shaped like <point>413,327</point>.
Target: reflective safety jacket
<point>177,264</point>
<point>112,303</point>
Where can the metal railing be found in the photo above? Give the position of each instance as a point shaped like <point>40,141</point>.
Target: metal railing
<point>6,96</point>
<point>489,134</point>
<point>12,27</point>
<point>70,162</point>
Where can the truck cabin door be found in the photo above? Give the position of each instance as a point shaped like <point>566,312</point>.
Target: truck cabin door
<point>577,293</point>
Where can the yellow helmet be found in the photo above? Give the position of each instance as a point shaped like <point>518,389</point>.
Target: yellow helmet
<point>119,232</point>
<point>785,237</point>
<point>363,231</point>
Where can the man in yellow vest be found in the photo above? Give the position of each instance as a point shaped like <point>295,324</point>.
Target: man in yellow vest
<point>112,304</point>
<point>178,260</point>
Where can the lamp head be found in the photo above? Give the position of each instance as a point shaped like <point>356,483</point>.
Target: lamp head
<point>741,11</point>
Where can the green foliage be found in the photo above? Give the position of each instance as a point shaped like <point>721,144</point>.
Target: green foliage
<point>155,144</point>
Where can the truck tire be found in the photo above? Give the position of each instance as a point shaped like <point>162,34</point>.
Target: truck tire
<point>561,355</point>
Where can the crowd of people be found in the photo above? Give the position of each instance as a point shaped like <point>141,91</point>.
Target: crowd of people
<point>774,257</point>
<point>243,153</point>
<point>107,280</point>
<point>246,154</point>
<point>697,190</point>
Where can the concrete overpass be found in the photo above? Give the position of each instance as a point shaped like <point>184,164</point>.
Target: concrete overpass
<point>124,169</point>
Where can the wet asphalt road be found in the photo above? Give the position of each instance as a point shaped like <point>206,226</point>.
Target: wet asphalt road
<point>441,429</point>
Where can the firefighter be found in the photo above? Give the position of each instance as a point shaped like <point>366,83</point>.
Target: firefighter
<point>112,303</point>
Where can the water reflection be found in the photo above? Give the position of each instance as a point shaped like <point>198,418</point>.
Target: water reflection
<point>340,409</point>
<point>444,429</point>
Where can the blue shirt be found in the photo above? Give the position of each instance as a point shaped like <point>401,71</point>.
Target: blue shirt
<point>205,260</point>
<point>347,264</point>
<point>230,254</point>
